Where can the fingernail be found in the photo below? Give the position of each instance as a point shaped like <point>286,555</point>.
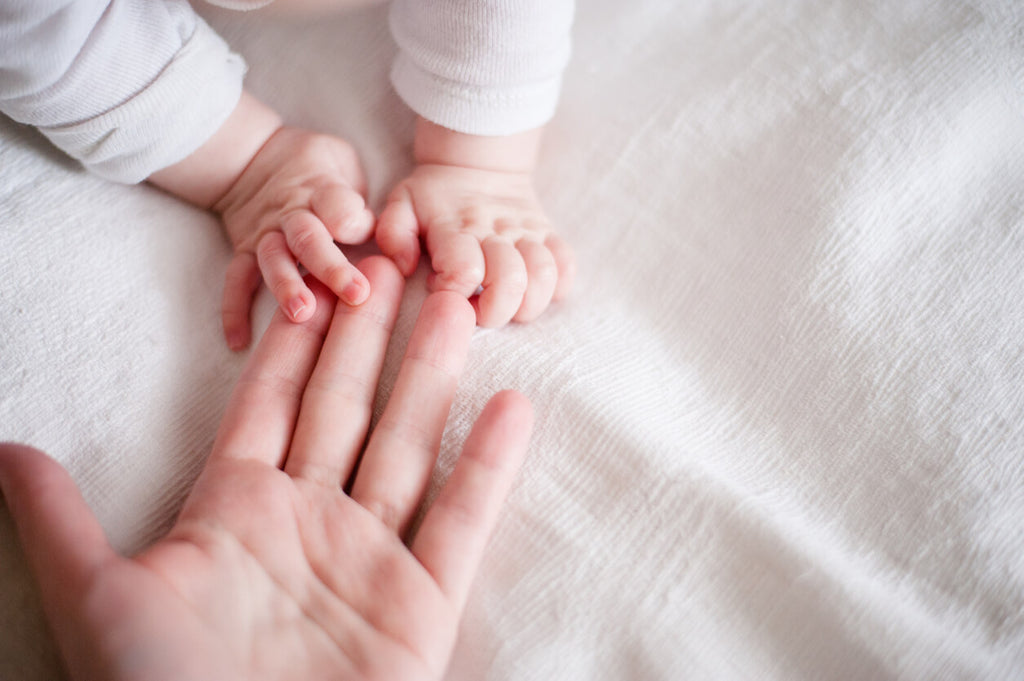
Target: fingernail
<point>355,292</point>
<point>295,307</point>
<point>236,340</point>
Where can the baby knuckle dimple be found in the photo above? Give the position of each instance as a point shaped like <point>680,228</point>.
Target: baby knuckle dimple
<point>472,215</point>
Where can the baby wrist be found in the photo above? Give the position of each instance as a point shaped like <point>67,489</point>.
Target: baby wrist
<point>205,176</point>
<point>515,153</point>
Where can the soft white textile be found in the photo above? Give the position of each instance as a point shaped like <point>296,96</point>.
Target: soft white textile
<point>129,87</point>
<point>781,422</point>
<point>482,68</point>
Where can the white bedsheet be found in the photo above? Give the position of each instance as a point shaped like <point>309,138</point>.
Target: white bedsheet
<point>781,421</point>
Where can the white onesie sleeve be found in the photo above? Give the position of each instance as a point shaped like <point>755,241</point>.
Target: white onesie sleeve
<point>482,67</point>
<point>126,86</point>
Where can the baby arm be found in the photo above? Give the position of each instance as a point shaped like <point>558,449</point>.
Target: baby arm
<point>133,86</point>
<point>285,196</point>
<point>471,198</point>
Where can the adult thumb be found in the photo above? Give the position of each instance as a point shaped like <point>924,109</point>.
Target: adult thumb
<point>62,539</point>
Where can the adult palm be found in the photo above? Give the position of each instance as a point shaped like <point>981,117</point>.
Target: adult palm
<point>273,570</point>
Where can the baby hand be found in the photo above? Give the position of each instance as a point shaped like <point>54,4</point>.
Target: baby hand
<point>301,193</point>
<point>483,227</point>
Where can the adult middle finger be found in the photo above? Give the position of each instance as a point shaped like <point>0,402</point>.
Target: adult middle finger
<point>402,451</point>
<point>338,399</point>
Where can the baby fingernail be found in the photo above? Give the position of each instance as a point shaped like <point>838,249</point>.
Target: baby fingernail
<point>295,307</point>
<point>236,340</point>
<point>355,292</point>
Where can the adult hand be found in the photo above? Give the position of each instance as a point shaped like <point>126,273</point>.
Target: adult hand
<point>273,571</point>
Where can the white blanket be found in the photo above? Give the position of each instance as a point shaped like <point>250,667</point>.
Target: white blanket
<point>781,421</point>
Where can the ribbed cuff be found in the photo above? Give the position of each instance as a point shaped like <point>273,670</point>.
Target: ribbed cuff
<point>474,110</point>
<point>240,5</point>
<point>168,120</point>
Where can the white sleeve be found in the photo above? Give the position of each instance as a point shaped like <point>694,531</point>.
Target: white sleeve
<point>482,67</point>
<point>126,86</point>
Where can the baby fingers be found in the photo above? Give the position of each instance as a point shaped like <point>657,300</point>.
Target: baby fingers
<point>505,283</point>
<point>310,242</point>
<point>282,277</point>
<point>542,275</point>
<point>566,262</point>
<point>343,211</point>
<point>240,284</point>
<point>458,260</point>
<point>398,235</point>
